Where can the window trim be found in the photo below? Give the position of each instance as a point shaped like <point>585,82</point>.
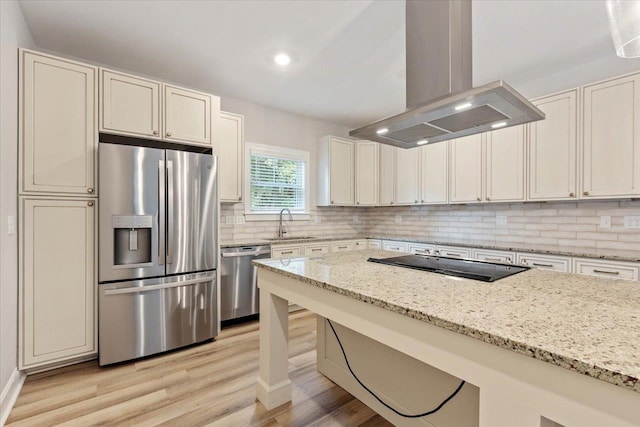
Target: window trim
<point>281,152</point>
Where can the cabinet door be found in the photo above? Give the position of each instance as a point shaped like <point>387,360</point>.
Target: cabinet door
<point>57,280</point>
<point>341,171</point>
<point>387,174</point>
<point>187,115</point>
<point>58,146</point>
<point>228,145</point>
<point>552,148</point>
<point>129,105</point>
<point>611,138</point>
<point>505,164</point>
<point>465,169</point>
<point>407,181</point>
<point>434,173</point>
<point>366,173</point>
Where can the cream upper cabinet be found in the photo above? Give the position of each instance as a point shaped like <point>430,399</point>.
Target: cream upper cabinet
<point>336,172</point>
<point>465,169</point>
<point>552,149</point>
<point>228,144</point>
<point>407,180</point>
<point>187,115</point>
<point>387,172</point>
<point>59,139</point>
<point>366,173</point>
<point>611,138</point>
<point>57,280</point>
<point>130,105</point>
<point>505,165</point>
<point>434,173</point>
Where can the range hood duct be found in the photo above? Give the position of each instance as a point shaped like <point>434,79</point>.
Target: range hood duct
<point>441,102</point>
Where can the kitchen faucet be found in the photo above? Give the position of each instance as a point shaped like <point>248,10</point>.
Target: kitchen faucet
<point>281,229</point>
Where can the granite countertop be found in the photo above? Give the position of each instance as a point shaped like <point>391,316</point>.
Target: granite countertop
<point>606,254</point>
<point>582,323</point>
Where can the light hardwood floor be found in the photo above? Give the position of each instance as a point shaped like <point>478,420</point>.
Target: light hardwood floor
<point>211,384</point>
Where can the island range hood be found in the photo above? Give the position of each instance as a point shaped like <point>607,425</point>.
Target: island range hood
<point>441,102</point>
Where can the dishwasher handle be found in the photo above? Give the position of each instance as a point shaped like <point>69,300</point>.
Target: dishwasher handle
<point>247,253</point>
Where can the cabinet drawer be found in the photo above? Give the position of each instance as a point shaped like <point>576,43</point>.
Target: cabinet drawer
<point>394,246</point>
<point>606,269</point>
<point>316,249</point>
<point>285,251</point>
<point>494,256</point>
<point>422,249</point>
<point>342,246</point>
<point>374,244</point>
<point>360,244</point>
<point>544,262</point>
<point>453,252</point>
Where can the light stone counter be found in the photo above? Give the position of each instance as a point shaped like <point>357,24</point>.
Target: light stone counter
<point>581,323</point>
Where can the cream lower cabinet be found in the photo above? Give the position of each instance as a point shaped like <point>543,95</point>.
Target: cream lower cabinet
<point>366,173</point>
<point>407,177</point>
<point>434,173</point>
<point>465,169</point>
<point>58,127</point>
<point>187,115</point>
<point>552,148</point>
<point>336,171</point>
<point>57,280</point>
<point>228,145</point>
<point>129,105</point>
<point>611,138</point>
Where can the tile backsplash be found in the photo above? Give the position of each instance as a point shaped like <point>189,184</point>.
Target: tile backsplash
<point>551,224</point>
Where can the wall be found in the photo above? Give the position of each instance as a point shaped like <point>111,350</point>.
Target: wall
<point>570,226</point>
<point>14,33</point>
<point>266,125</point>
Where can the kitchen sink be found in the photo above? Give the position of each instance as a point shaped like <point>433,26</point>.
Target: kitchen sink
<point>292,238</point>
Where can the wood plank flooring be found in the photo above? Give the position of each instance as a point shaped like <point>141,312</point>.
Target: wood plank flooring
<point>211,384</point>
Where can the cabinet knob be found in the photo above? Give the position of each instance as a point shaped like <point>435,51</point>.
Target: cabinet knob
<point>478,199</point>
<point>392,202</point>
<point>415,201</point>
<point>422,201</point>
<point>90,190</point>
<point>168,133</point>
<point>357,203</point>
<point>332,202</point>
<point>488,198</point>
<point>572,195</point>
<point>155,132</point>
<point>586,193</point>
<point>89,204</point>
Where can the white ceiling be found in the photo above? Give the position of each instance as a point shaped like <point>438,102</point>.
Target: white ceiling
<point>348,55</point>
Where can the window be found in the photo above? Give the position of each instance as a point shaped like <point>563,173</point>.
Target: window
<point>277,178</point>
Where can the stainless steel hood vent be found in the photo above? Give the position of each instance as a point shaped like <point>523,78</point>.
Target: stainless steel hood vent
<point>441,104</point>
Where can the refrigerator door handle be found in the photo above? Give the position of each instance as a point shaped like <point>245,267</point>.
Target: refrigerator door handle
<point>161,208</point>
<point>170,207</point>
<point>137,289</point>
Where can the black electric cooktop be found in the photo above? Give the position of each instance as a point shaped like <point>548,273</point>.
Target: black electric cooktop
<point>469,269</point>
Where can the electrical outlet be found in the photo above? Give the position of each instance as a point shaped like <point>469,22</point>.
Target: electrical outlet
<point>229,219</point>
<point>632,221</point>
<point>240,219</point>
<point>605,221</point>
<point>501,220</point>
<point>398,219</point>
<point>355,219</point>
<point>11,224</point>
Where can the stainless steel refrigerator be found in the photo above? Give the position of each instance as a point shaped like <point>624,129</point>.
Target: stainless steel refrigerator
<point>158,251</point>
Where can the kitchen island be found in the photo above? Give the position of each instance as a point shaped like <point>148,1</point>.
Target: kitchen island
<point>537,346</point>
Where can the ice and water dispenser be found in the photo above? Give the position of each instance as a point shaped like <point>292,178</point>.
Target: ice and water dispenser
<point>132,237</point>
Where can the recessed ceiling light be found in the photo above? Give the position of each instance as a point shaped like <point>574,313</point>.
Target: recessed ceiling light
<point>462,106</point>
<point>422,142</point>
<point>382,131</point>
<point>498,125</point>
<point>282,59</point>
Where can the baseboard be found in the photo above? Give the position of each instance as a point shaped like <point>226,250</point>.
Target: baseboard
<point>10,394</point>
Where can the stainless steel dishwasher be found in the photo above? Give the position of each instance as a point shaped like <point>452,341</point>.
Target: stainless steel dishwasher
<point>239,281</point>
